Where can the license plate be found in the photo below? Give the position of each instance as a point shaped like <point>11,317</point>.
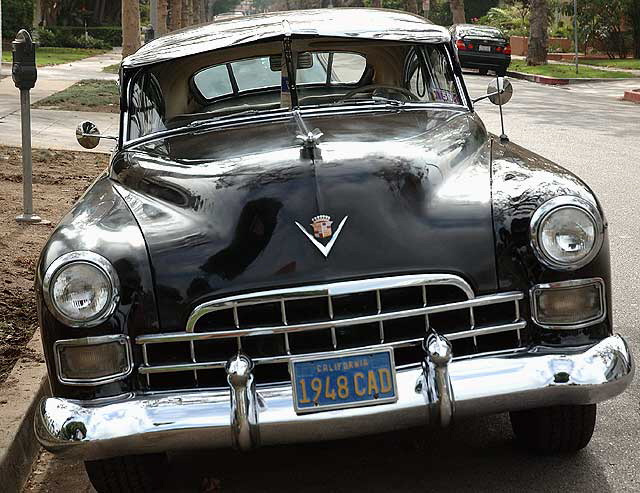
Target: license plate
<point>351,379</point>
<point>484,48</point>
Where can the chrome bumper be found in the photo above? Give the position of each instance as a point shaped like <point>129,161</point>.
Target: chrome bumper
<point>538,377</point>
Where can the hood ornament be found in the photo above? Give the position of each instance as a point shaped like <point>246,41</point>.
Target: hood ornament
<point>321,225</point>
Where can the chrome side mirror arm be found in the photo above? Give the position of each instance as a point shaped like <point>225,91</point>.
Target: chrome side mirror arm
<point>88,135</point>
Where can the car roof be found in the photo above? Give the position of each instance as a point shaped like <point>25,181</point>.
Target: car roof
<point>479,29</point>
<point>374,24</point>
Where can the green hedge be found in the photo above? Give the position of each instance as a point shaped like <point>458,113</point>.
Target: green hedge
<point>65,35</point>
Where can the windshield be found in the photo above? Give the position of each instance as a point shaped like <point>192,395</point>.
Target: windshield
<point>327,73</point>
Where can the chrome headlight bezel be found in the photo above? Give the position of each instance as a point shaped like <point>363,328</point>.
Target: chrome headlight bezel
<point>552,206</point>
<point>94,260</point>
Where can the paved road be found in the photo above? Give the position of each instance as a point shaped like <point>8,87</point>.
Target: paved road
<point>588,130</point>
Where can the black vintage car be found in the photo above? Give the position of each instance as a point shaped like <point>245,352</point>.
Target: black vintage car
<point>306,233</point>
<point>482,47</point>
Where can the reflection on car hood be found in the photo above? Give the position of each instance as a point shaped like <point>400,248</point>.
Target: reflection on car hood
<point>218,209</point>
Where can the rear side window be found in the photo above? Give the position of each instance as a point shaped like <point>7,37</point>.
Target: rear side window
<point>214,82</point>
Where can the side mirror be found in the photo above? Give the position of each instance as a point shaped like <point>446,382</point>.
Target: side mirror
<point>500,91</point>
<point>88,135</point>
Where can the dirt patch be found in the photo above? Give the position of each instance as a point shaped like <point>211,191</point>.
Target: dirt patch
<point>59,179</point>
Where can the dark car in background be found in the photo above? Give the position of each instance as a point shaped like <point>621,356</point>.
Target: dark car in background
<point>482,47</point>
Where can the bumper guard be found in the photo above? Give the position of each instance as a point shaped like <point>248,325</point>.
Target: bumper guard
<point>138,424</point>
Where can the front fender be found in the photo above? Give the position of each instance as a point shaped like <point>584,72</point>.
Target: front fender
<point>100,222</point>
<point>521,182</point>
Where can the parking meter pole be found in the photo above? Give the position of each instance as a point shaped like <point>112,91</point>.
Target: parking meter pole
<point>27,163</point>
<point>24,75</point>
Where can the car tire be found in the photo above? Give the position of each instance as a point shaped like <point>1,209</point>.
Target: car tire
<point>127,474</point>
<point>483,71</point>
<point>554,430</point>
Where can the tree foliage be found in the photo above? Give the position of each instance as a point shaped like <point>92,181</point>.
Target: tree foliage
<point>16,15</point>
<point>600,23</point>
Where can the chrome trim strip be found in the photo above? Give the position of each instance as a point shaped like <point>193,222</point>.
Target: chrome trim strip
<point>200,420</point>
<point>89,341</point>
<point>329,289</point>
<point>565,201</point>
<point>83,257</point>
<point>200,336</point>
<point>210,365</point>
<point>573,283</point>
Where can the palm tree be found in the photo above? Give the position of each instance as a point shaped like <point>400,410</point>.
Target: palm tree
<point>538,33</point>
<point>130,26</point>
<point>457,11</point>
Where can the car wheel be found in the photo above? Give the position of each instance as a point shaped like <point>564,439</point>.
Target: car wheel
<point>554,430</point>
<point>133,473</point>
<point>483,71</point>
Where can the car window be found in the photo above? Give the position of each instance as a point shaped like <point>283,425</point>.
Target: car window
<point>256,73</point>
<point>147,106</point>
<point>429,76</point>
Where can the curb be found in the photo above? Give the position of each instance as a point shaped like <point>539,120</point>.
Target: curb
<point>633,96</point>
<point>19,395</point>
<point>556,81</point>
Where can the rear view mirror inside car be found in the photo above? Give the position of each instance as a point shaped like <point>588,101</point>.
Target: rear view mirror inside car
<point>304,60</point>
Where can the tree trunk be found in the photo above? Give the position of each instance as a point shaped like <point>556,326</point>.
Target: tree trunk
<point>457,11</point>
<point>426,7</point>
<point>162,17</point>
<point>411,6</point>
<point>130,26</point>
<point>186,12</point>
<point>37,12</point>
<point>538,35</point>
<point>176,15</point>
<point>633,14</point>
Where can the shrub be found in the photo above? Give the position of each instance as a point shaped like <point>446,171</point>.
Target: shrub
<point>70,38</point>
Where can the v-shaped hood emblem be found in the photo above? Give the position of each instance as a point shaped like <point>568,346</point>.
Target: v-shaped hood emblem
<point>322,229</point>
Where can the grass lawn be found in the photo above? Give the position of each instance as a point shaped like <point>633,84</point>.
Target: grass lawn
<point>55,56</point>
<point>628,63</point>
<point>112,69</point>
<point>86,95</point>
<point>565,71</point>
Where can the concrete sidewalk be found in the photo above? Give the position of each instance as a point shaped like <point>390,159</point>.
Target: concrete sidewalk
<point>56,129</point>
<point>52,129</point>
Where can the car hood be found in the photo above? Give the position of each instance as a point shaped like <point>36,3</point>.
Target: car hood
<point>221,211</point>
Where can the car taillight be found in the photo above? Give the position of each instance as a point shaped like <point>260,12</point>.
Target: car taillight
<point>498,49</point>
<point>507,50</point>
<point>470,46</point>
<point>460,45</point>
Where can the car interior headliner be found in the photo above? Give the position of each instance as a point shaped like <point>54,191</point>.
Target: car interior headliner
<point>369,24</point>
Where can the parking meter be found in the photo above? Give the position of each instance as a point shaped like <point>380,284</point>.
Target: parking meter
<point>24,70</point>
<point>24,75</point>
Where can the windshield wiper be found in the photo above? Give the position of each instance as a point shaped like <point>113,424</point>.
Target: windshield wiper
<point>375,100</point>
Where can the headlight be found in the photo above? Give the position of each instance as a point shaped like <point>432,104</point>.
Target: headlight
<point>566,233</point>
<point>81,289</point>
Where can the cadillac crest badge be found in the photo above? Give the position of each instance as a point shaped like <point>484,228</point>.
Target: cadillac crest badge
<point>321,225</point>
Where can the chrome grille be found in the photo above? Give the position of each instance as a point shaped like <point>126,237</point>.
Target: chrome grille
<point>273,326</point>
